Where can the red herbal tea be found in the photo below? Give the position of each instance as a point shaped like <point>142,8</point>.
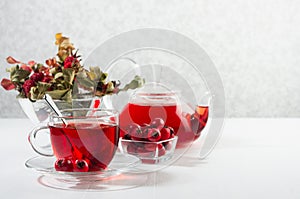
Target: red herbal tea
<point>82,139</point>
<point>93,142</point>
<point>171,114</point>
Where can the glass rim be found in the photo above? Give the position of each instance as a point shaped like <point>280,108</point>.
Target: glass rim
<point>71,110</point>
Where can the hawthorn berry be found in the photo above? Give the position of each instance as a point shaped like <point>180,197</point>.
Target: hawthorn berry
<point>165,133</point>
<point>154,135</point>
<point>36,77</point>
<point>27,86</point>
<point>63,164</point>
<point>81,165</point>
<point>157,123</point>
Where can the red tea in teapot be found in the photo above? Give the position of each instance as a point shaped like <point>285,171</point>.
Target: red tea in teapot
<point>155,100</point>
<point>186,126</point>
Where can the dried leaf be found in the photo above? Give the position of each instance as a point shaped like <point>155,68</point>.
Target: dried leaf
<point>137,82</point>
<point>7,84</point>
<point>57,94</point>
<point>18,75</point>
<point>69,75</point>
<point>12,60</point>
<point>58,75</point>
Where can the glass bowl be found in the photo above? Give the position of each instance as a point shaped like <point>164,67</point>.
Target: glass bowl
<point>149,152</point>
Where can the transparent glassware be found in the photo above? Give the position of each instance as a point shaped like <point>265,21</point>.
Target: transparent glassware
<point>38,111</point>
<point>170,59</point>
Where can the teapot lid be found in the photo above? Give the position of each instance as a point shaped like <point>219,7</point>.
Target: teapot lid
<point>153,93</point>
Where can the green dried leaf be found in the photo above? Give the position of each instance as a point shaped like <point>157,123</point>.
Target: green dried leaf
<point>53,71</point>
<point>17,74</point>
<point>84,82</point>
<point>137,82</point>
<point>43,87</point>
<point>58,94</point>
<point>34,93</point>
<point>110,87</point>
<point>95,73</point>
<point>68,96</point>
<point>103,77</point>
<point>58,75</point>
<point>60,87</point>
<point>69,75</point>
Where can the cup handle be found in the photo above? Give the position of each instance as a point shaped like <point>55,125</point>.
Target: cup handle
<point>42,150</point>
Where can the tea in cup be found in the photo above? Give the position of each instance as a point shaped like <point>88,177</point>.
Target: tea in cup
<point>82,140</point>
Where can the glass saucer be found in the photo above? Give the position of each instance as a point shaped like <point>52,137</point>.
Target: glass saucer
<point>45,166</point>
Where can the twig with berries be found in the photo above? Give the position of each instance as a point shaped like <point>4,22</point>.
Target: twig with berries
<point>62,77</point>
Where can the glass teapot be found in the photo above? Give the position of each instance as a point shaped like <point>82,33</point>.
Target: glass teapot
<point>155,101</point>
<point>172,59</point>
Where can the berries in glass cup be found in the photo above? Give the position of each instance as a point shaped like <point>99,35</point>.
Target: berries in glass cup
<point>152,143</point>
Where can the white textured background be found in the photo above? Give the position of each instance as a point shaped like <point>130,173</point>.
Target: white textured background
<point>254,44</point>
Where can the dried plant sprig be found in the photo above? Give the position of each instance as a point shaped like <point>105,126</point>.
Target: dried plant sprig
<point>62,77</point>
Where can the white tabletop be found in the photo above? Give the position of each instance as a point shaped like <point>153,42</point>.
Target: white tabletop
<point>255,158</point>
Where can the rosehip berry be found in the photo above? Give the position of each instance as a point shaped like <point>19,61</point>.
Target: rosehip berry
<point>150,146</point>
<point>133,128</point>
<point>157,123</point>
<point>70,61</point>
<point>165,133</point>
<point>63,164</point>
<point>127,136</point>
<point>161,150</point>
<point>135,132</point>
<point>142,152</point>
<point>171,130</point>
<point>131,148</point>
<point>81,166</point>
<point>36,77</point>
<point>47,79</point>
<point>154,135</point>
<point>168,145</point>
<point>27,86</point>
<point>138,137</point>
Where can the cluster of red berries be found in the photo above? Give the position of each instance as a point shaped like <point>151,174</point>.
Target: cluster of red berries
<point>71,165</point>
<point>151,139</point>
<point>34,78</point>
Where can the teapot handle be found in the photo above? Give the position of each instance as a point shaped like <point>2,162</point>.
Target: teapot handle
<point>106,101</point>
<point>135,64</point>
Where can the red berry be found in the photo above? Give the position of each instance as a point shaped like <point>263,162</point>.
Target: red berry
<point>133,128</point>
<point>36,77</point>
<point>171,130</point>
<point>157,123</point>
<point>165,133</point>
<point>27,86</point>
<point>127,136</point>
<point>144,153</point>
<point>135,132</point>
<point>161,150</point>
<point>131,148</point>
<point>47,79</point>
<point>154,135</point>
<point>81,166</point>
<point>150,146</point>
<point>145,130</point>
<point>63,164</point>
<point>168,145</point>
<point>70,61</point>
